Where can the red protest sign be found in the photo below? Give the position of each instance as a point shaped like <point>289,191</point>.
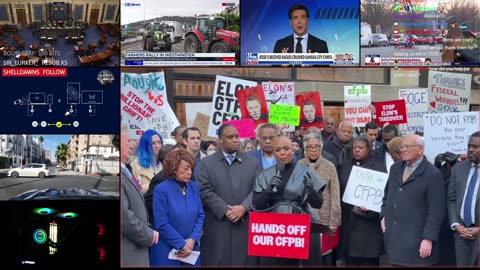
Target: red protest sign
<point>253,105</point>
<point>393,111</point>
<point>310,109</point>
<point>279,235</point>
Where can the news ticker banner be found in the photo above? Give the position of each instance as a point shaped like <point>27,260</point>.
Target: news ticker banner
<point>377,60</point>
<point>448,132</point>
<point>365,188</point>
<point>279,235</point>
<point>141,58</point>
<point>299,59</point>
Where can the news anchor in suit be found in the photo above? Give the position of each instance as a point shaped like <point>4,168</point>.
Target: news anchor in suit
<point>463,204</point>
<point>300,41</point>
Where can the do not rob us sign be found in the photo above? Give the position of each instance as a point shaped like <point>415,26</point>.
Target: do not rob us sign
<point>279,235</point>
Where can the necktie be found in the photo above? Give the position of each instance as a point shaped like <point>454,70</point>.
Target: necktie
<point>467,207</point>
<point>298,48</point>
<point>230,159</point>
<point>407,172</point>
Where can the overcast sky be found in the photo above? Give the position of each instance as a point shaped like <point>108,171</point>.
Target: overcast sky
<point>159,8</point>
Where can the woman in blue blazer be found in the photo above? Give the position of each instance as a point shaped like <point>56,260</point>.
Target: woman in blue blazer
<point>177,210</point>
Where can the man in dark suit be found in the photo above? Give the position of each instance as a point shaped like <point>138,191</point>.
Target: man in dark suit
<point>371,130</point>
<point>309,113</point>
<point>254,108</point>
<point>226,180</point>
<point>463,201</point>
<point>301,41</point>
<point>413,207</point>
<point>381,154</point>
<point>137,236</point>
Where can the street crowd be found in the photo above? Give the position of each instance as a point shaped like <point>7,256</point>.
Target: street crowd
<point>187,202</point>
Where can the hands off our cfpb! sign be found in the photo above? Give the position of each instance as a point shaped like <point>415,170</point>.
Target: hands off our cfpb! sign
<point>279,235</point>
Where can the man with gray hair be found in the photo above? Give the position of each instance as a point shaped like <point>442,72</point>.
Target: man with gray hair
<point>137,236</point>
<point>343,139</point>
<point>413,207</point>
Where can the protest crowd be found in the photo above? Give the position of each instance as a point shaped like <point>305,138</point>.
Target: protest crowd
<point>371,195</point>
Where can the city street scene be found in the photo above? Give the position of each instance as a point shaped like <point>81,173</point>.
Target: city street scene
<point>58,166</point>
<point>197,27</point>
<point>416,33</point>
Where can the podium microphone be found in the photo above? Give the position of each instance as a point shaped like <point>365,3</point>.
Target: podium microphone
<point>280,167</point>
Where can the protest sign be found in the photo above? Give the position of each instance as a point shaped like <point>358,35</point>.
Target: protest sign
<point>448,92</point>
<point>287,114</point>
<point>253,105</point>
<point>144,104</point>
<point>244,127</point>
<point>365,188</point>
<point>225,105</point>
<point>392,111</point>
<point>191,110</point>
<point>416,101</point>
<point>336,112</point>
<point>201,122</point>
<point>280,93</point>
<point>448,132</point>
<point>279,235</point>
<point>311,113</point>
<point>357,101</point>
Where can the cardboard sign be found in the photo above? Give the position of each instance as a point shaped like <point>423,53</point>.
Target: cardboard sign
<point>225,105</point>
<point>449,132</point>
<point>311,113</point>
<point>448,92</point>
<point>244,127</point>
<point>279,235</point>
<point>365,188</point>
<point>287,114</point>
<point>280,93</point>
<point>357,99</point>
<point>253,105</point>
<point>416,101</point>
<point>201,122</point>
<point>392,111</point>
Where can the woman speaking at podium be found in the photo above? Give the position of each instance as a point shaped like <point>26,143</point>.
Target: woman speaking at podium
<point>290,188</point>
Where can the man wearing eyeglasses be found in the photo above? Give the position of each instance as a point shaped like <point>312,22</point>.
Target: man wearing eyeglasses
<point>266,134</point>
<point>413,207</point>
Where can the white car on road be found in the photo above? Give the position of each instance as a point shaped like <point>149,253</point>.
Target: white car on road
<point>32,169</point>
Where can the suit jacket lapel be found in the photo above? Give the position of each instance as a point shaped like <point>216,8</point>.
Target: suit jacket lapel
<point>130,181</point>
<point>418,171</point>
<point>291,47</point>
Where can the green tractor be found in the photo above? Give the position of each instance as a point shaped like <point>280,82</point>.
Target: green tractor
<point>156,35</point>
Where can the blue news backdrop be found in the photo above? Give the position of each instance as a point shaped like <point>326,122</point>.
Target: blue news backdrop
<point>76,104</point>
<point>264,22</point>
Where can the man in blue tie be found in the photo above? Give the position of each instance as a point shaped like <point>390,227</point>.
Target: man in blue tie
<point>463,201</point>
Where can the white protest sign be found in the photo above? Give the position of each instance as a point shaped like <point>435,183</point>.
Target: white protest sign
<point>144,104</point>
<point>280,93</point>
<point>449,132</point>
<point>357,99</point>
<point>448,92</point>
<point>416,101</point>
<point>225,103</point>
<point>365,188</point>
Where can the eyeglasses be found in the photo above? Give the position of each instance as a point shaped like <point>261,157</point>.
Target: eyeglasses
<point>408,146</point>
<point>271,138</point>
<point>313,148</point>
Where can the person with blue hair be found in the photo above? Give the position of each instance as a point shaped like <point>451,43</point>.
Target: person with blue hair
<point>146,163</point>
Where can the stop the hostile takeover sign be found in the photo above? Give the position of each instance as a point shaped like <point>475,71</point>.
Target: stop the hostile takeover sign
<point>279,235</point>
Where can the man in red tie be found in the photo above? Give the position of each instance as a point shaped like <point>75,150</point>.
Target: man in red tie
<point>137,236</point>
